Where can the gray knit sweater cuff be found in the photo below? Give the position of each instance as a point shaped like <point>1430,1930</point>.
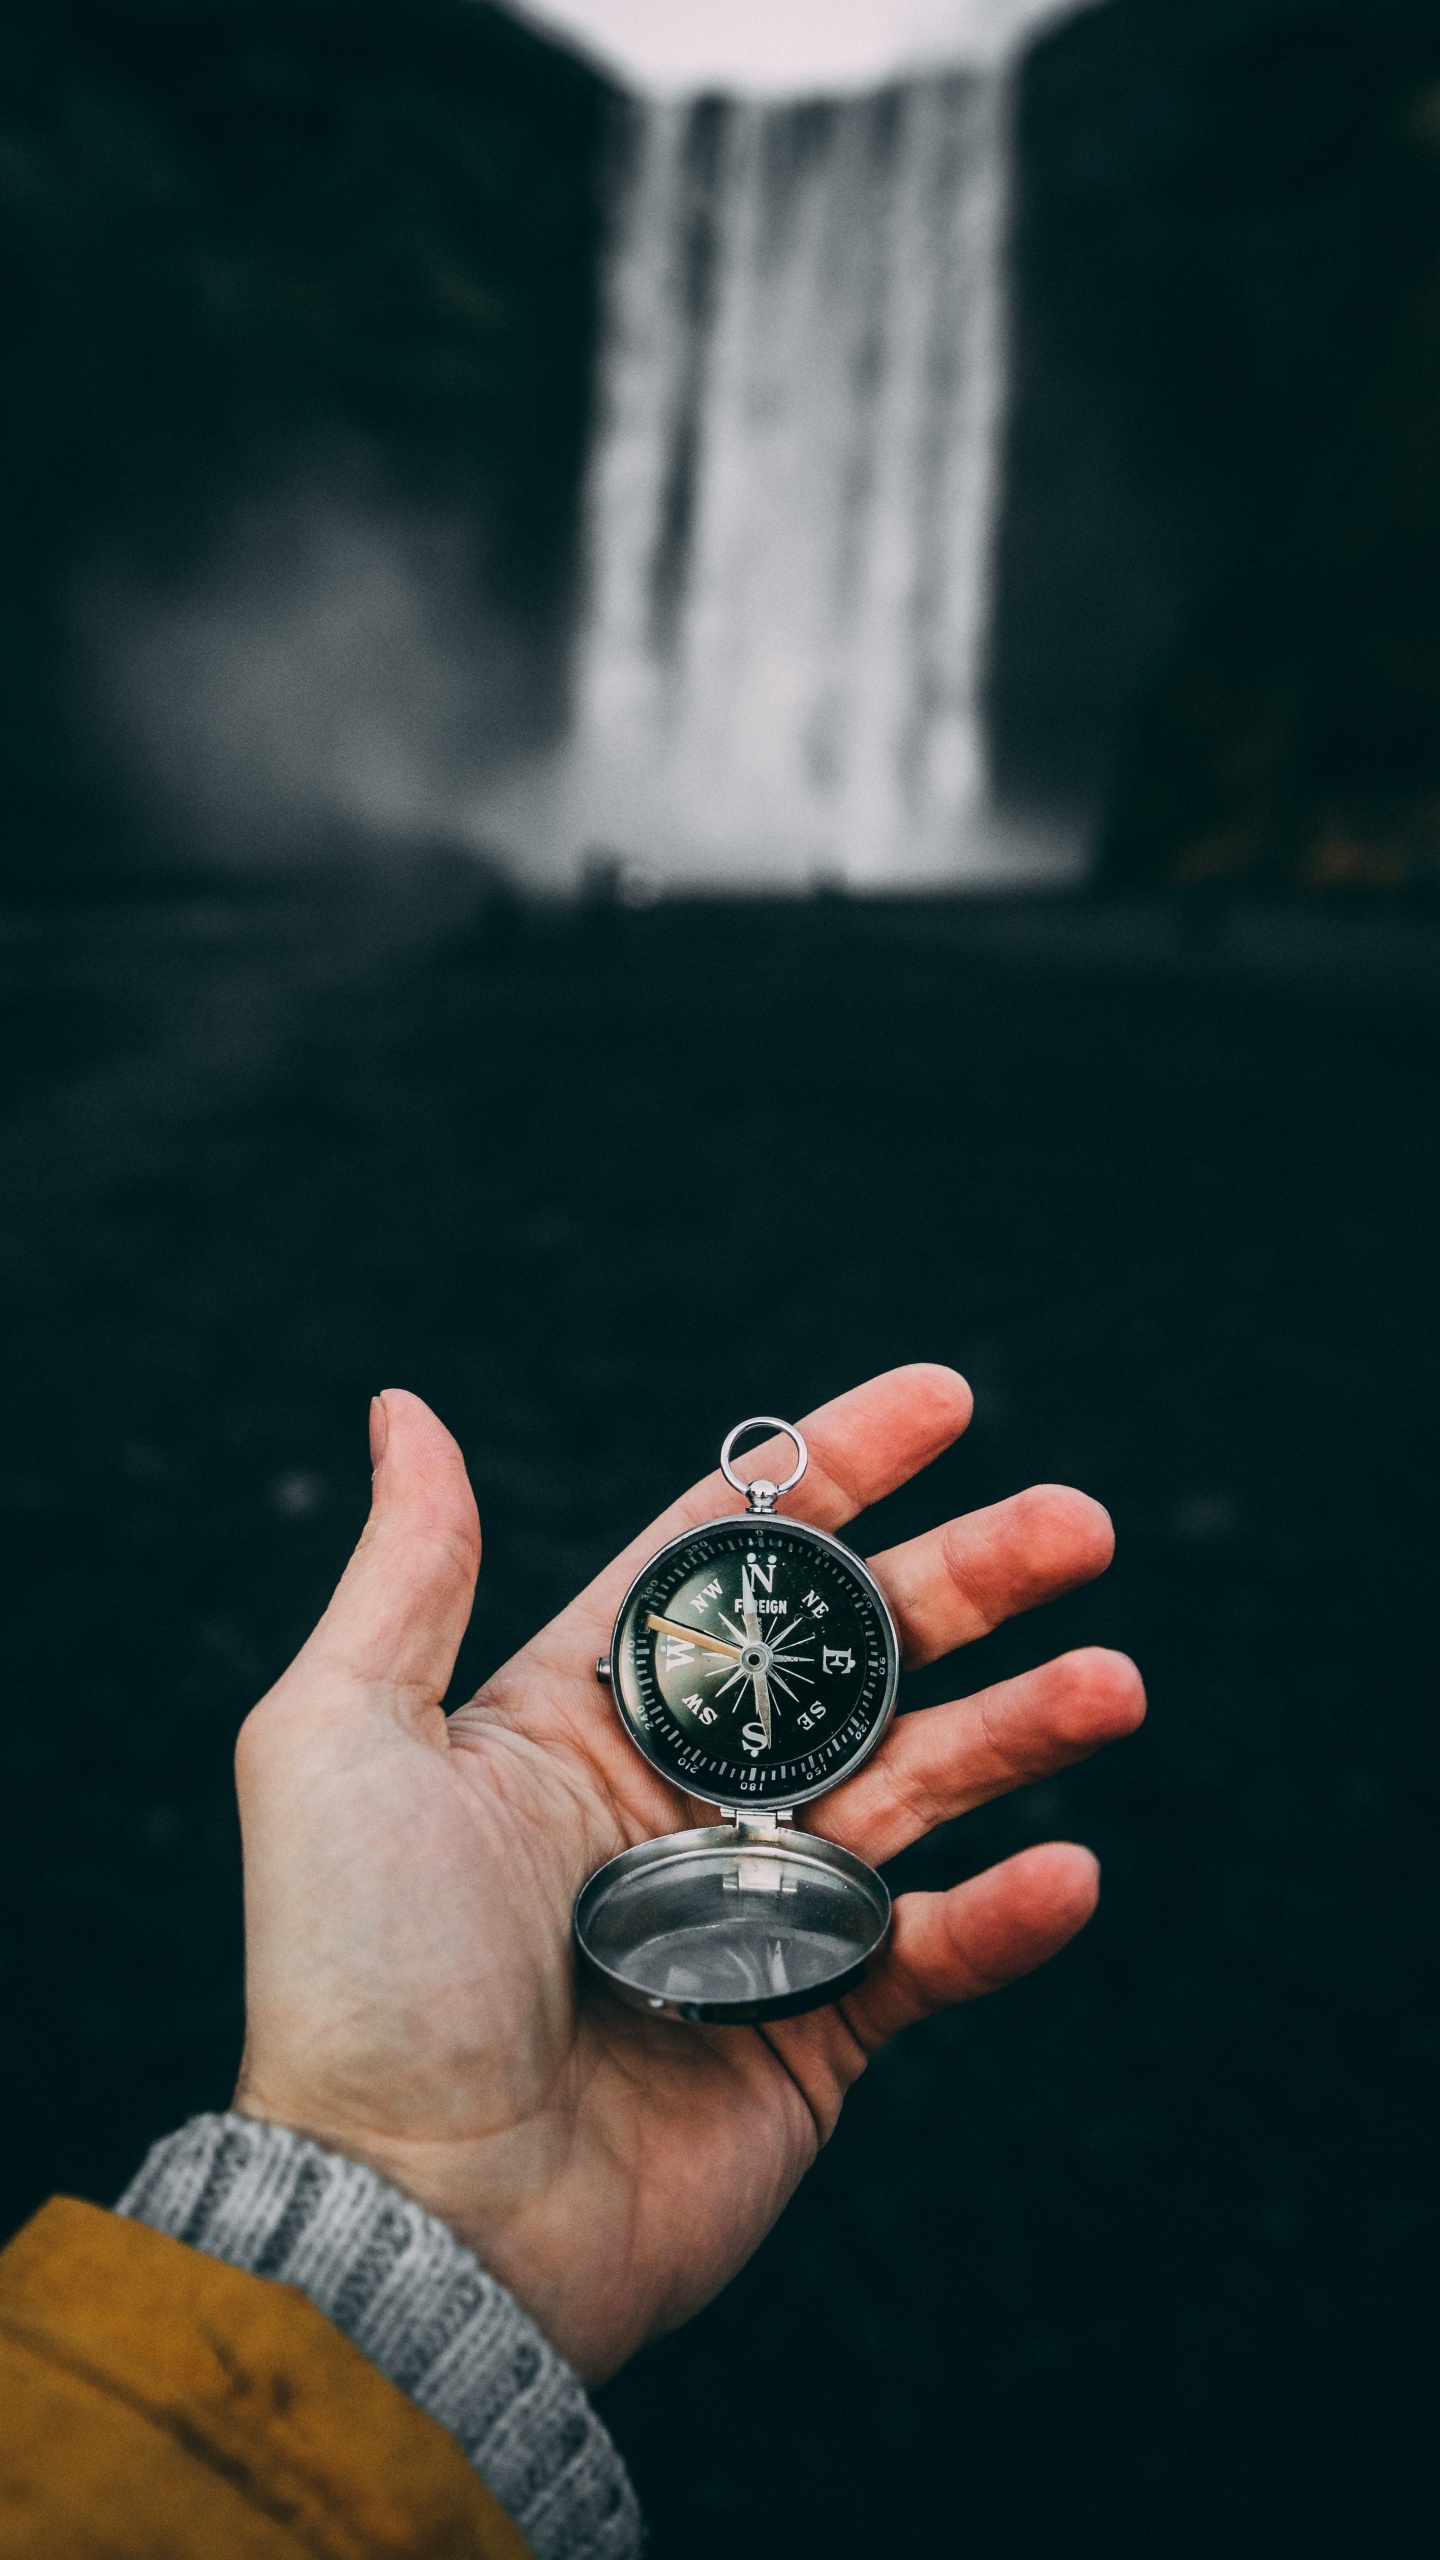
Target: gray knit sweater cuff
<point>416,2303</point>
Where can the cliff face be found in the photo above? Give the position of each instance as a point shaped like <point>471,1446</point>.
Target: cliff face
<point>1219,607</point>
<point>240,233</point>
<point>1218,613</point>
<point>1297,739</point>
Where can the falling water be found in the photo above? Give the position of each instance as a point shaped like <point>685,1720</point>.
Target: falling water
<point>791,503</point>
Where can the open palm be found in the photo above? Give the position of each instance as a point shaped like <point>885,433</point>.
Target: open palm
<point>411,1989</point>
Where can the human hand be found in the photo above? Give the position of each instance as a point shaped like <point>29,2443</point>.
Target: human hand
<point>411,1989</point>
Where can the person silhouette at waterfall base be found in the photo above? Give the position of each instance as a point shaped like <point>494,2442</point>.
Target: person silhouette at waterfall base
<point>358,2312</point>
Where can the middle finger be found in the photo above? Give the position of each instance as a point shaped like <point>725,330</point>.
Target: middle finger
<point>957,1582</point>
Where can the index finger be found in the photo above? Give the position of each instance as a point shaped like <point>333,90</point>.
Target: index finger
<point>862,1446</point>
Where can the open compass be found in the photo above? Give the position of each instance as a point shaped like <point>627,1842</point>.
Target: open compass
<point>754,1663</point>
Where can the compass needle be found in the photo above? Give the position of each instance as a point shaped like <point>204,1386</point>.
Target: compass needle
<point>748,1609</point>
<point>761,1688</point>
<point>691,1635</point>
<point>756,1656</point>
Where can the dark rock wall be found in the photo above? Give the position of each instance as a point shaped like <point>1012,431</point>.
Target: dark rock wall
<point>1217,599</point>
<point>1297,740</point>
<point>236,235</point>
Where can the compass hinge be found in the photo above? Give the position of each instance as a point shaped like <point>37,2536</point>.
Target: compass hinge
<point>761,1822</point>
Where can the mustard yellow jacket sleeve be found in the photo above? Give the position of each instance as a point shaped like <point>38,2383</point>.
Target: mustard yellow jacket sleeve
<point>156,2404</point>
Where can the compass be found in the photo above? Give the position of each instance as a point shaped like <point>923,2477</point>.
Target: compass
<point>754,1663</point>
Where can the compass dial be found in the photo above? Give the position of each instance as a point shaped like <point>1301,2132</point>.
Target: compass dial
<point>755,1661</point>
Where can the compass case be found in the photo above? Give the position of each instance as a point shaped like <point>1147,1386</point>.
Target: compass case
<point>727,1926</point>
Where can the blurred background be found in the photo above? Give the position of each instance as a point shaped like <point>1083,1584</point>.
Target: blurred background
<point>861,583</point>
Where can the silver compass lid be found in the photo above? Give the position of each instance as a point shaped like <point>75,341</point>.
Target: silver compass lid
<point>730,1925</point>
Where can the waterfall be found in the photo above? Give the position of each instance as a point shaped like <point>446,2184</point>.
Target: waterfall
<point>780,665</point>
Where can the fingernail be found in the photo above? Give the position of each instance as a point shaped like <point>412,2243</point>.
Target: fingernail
<point>379,1430</point>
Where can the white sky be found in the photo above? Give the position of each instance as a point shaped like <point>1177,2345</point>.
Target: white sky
<point>777,46</point>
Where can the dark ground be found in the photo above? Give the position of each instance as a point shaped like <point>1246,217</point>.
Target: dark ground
<point>1130,2261</point>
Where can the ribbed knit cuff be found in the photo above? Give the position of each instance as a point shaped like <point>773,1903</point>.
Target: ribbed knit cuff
<point>403,2289</point>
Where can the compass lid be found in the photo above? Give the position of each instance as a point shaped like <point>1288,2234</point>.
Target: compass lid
<point>732,1924</point>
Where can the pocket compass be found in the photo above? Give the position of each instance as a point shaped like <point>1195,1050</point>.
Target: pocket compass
<point>754,1663</point>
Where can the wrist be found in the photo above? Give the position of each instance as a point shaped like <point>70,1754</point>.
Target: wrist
<point>478,2187</point>
<point>412,2297</point>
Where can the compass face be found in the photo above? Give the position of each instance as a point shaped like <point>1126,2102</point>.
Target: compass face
<point>755,1662</point>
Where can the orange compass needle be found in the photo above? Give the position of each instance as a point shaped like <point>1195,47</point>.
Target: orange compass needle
<point>692,1635</point>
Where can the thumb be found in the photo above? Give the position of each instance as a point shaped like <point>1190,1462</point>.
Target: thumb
<point>403,1603</point>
